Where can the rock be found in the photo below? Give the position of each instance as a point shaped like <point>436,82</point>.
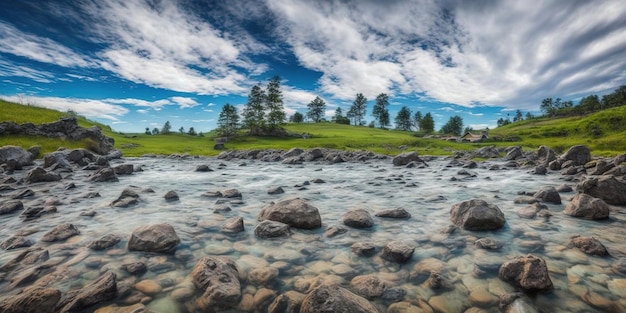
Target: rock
<point>127,198</point>
<point>546,155</point>
<point>263,276</point>
<point>15,242</point>
<point>262,299</point>
<point>531,211</point>
<point>149,287</point>
<point>31,300</point>
<point>605,187</point>
<point>397,251</point>
<point>368,286</point>
<point>564,188</point>
<point>579,155</point>
<point>124,169</point>
<point>15,157</point>
<point>21,194</point>
<point>233,226</point>
<point>540,170</point>
<point>488,243</point>
<point>404,307</point>
<point>38,174</point>
<point>275,191</point>
<point>437,281</point>
<point>218,279</point>
<point>61,232</point>
<point>203,168</point>
<point>363,248</point>
<point>332,298</point>
<point>294,212</point>
<point>104,242</point>
<point>487,152</point>
<point>587,207</point>
<point>34,151</point>
<point>135,268</point>
<point>288,302</point>
<point>548,194</point>
<point>103,289</point>
<point>394,213</point>
<point>358,218</point>
<point>160,238</point>
<point>11,206</point>
<point>477,214</point>
<point>602,166</point>
<point>36,212</point>
<point>106,174</point>
<point>335,230</point>
<point>271,229</point>
<point>406,158</point>
<point>527,272</point>
<point>514,153</point>
<point>171,196</point>
<point>589,245</point>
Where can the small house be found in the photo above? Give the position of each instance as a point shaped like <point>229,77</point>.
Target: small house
<point>470,137</point>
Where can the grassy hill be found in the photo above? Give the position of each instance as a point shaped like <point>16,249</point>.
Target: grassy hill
<point>603,132</point>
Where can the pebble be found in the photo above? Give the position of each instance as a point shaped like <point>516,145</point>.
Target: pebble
<point>149,287</point>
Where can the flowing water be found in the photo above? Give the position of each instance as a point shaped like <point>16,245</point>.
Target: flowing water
<point>582,283</point>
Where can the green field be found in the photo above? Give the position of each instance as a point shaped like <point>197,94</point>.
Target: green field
<point>603,132</point>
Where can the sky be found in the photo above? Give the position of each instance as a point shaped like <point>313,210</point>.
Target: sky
<point>135,64</point>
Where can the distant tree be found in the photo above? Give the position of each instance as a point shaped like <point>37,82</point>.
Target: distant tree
<point>358,109</point>
<point>417,119</point>
<point>155,131</point>
<point>502,121</point>
<point>339,118</point>
<point>518,116</point>
<point>403,119</point>
<point>228,121</point>
<point>274,104</point>
<point>200,134</point>
<point>590,104</point>
<point>297,118</point>
<point>317,107</point>
<point>147,132</point>
<point>166,128</point>
<point>181,130</point>
<point>380,111</point>
<point>529,116</point>
<point>454,126</point>
<point>372,124</point>
<point>468,129</point>
<point>427,124</point>
<point>254,111</point>
<point>191,131</point>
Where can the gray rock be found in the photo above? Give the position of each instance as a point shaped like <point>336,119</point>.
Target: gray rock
<point>15,157</point>
<point>124,169</point>
<point>488,244</point>
<point>579,155</point>
<point>160,238</point>
<point>587,207</point>
<point>15,242</point>
<point>31,300</point>
<point>397,251</point>
<point>233,226</point>
<point>128,197</point>
<point>368,286</point>
<point>406,158</point>
<point>527,272</point>
<point>275,191</point>
<point>11,206</point>
<point>61,232</point>
<point>335,230</point>
<point>21,194</point>
<point>548,194</point>
<point>477,214</point>
<point>104,242</point>
<point>38,174</point>
<point>106,174</point>
<point>546,155</point>
<point>605,187</point>
<point>358,218</point>
<point>293,212</point>
<point>271,229</point>
<point>589,245</point>
<point>203,168</point>
<point>332,298</point>
<point>394,213</point>
<point>171,196</point>
<point>103,289</point>
<point>218,279</point>
<point>135,268</point>
<point>514,153</point>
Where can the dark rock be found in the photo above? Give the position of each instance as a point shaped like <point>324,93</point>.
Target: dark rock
<point>358,218</point>
<point>34,151</point>
<point>38,174</point>
<point>397,251</point>
<point>531,211</point>
<point>564,188</point>
<point>579,155</point>
<point>527,272</point>
<point>332,298</point>
<point>104,242</point>
<point>548,194</point>
<point>438,281</point>
<point>406,158</point>
<point>11,206</point>
<point>233,226</point>
<point>171,196</point>
<point>546,155</point>
<point>15,242</point>
<point>394,213</point>
<point>103,289</point>
<point>31,300</point>
<point>488,243</point>
<point>589,245</point>
<point>15,157</point>
<point>21,194</point>
<point>525,200</point>
<point>135,268</point>
<point>587,207</point>
<point>293,152</point>
<point>293,212</point>
<point>106,174</point>
<point>275,191</point>
<point>602,166</point>
<point>203,168</point>
<point>514,153</point>
<point>540,170</point>
<point>30,256</point>
<point>363,248</point>
<point>477,214</point>
<point>230,194</point>
<point>271,229</point>
<point>335,230</point>
<point>218,279</point>
<point>127,198</point>
<point>312,154</point>
<point>487,152</point>
<point>124,169</point>
<point>288,302</point>
<point>605,187</point>
<point>160,238</point>
<point>293,161</point>
<point>368,286</point>
<point>61,232</point>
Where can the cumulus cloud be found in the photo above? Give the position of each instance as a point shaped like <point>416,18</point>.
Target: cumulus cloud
<point>185,102</point>
<point>89,108</point>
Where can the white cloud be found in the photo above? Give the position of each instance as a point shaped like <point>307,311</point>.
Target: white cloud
<point>8,69</point>
<point>155,105</point>
<point>185,102</point>
<point>89,108</point>
<point>142,111</point>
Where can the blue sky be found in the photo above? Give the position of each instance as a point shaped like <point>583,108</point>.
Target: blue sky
<point>134,64</point>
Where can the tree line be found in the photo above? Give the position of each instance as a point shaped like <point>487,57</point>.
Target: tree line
<point>167,129</point>
<point>590,104</point>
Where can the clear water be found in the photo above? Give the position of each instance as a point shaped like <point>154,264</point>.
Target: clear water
<point>582,283</point>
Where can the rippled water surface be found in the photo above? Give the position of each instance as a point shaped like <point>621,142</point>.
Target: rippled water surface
<point>582,283</point>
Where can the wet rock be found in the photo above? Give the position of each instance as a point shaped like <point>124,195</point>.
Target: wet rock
<point>602,166</point>
<point>104,288</point>
<point>275,191</point>
<point>335,230</point>
<point>15,157</point>
<point>11,206</point>
<point>589,245</point>
<point>488,244</point>
<point>516,303</point>
<point>394,213</point>
<point>31,300</point>
<point>525,199</point>
<point>531,211</point>
<point>579,155</point>
<point>406,158</point>
<point>262,276</point>
<point>527,272</point>
<point>404,307</point>
<point>160,238</point>
<point>36,212</point>
<point>218,279</point>
<point>332,298</point>
<point>171,196</point>
<point>104,242</point>
<point>271,229</point>
<point>233,226</point>
<point>61,232</point>
<point>38,174</point>
<point>477,214</point>
<point>605,187</point>
<point>587,207</point>
<point>397,251</point>
<point>546,155</point>
<point>203,168</point>
<point>30,256</point>
<point>564,188</point>
<point>288,302</point>
<point>21,194</point>
<point>363,248</point>
<point>124,169</point>
<point>548,194</point>
<point>540,170</point>
<point>128,197</point>
<point>262,299</point>
<point>149,287</point>
<point>294,212</point>
<point>487,152</point>
<point>514,153</point>
<point>368,286</point>
<point>231,194</point>
<point>358,218</point>
<point>293,152</point>
<point>106,174</point>
<point>135,268</point>
<point>15,242</point>
<point>438,281</point>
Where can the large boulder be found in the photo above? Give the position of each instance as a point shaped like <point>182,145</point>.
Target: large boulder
<point>546,155</point>
<point>218,279</point>
<point>605,187</point>
<point>332,298</point>
<point>368,286</point>
<point>397,251</point>
<point>358,218</point>
<point>293,212</point>
<point>589,245</point>
<point>38,174</point>
<point>579,155</point>
<point>527,272</point>
<point>548,194</point>
<point>15,157</point>
<point>406,158</point>
<point>106,174</point>
<point>103,289</point>
<point>514,153</point>
<point>272,229</point>
<point>11,206</point>
<point>159,238</point>
<point>61,232</point>
<point>587,207</point>
<point>477,214</point>
<point>31,300</point>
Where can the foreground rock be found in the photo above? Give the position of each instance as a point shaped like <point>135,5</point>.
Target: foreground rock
<point>605,187</point>
<point>38,174</point>
<point>548,194</point>
<point>589,245</point>
<point>527,272</point>
<point>399,213</point>
<point>406,158</point>
<point>397,251</point>
<point>233,226</point>
<point>218,279</point>
<point>104,288</point>
<point>32,300</point>
<point>293,212</point>
<point>160,238</point>
<point>587,207</point>
<point>368,286</point>
<point>332,298</point>
<point>271,229</point>
<point>15,157</point>
<point>358,218</point>
<point>61,232</point>
<point>579,155</point>
<point>477,214</point>
<point>11,206</point>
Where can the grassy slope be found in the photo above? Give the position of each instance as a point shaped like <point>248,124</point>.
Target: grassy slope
<point>603,132</point>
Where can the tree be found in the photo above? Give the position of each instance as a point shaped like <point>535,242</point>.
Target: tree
<point>297,118</point>
<point>228,121</point>
<point>339,118</point>
<point>191,131</point>
<point>166,128</point>
<point>317,107</point>
<point>181,130</point>
<point>468,129</point>
<point>147,132</point>
<point>155,131</point>
<point>529,116</point>
<point>518,116</point>
<point>380,111</point>
<point>417,119</point>
<point>274,104</point>
<point>427,124</point>
<point>454,126</point>
<point>502,121</point>
<point>358,109</point>
<point>403,119</point>
<point>254,111</point>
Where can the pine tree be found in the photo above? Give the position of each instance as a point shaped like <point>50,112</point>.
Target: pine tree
<point>358,109</point>
<point>191,131</point>
<point>166,128</point>
<point>417,119</point>
<point>317,107</point>
<point>274,105</point>
<point>427,123</point>
<point>380,111</point>
<point>254,111</point>
<point>228,121</point>
<point>403,119</point>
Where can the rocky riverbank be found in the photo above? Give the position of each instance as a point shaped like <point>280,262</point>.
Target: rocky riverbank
<point>313,230</point>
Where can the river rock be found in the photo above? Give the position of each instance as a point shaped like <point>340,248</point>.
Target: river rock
<point>488,244</point>
<point>363,248</point>
<point>335,230</point>
<point>288,302</point>
<point>15,242</point>
<point>171,196</point>
<point>587,207</point>
<point>38,174</point>
<point>531,211</point>
<point>605,187</point>
<point>106,174</point>
<point>203,168</point>
<point>579,155</point>
<point>160,238</point>
<point>406,158</point>
<point>149,287</point>
<point>514,152</point>
<point>218,279</point>
<point>602,166</point>
<point>394,213</point>
<point>589,245</point>
<point>332,298</point>
<point>135,267</point>
<point>275,191</point>
<point>104,242</point>
<point>358,218</point>
<point>527,272</point>
<point>104,288</point>
<point>294,212</point>
<point>31,300</point>
<point>477,214</point>
<point>548,194</point>
<point>262,299</point>
<point>368,286</point>
<point>124,169</point>
<point>15,157</point>
<point>271,229</point>
<point>11,206</point>
<point>397,251</point>
<point>127,198</point>
<point>233,225</point>
<point>61,232</point>
<point>546,155</point>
